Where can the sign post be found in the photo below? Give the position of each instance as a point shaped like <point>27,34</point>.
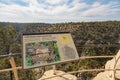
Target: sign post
<point>54,69</point>
<point>47,49</point>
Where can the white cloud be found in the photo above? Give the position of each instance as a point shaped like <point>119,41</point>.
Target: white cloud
<point>96,4</point>
<point>54,1</point>
<point>98,9</point>
<point>64,11</point>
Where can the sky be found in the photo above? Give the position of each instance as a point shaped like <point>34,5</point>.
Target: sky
<point>59,11</point>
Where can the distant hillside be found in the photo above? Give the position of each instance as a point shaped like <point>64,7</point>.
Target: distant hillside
<point>90,32</point>
<point>99,37</point>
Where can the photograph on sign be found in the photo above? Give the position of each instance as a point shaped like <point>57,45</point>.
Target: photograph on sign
<point>46,49</point>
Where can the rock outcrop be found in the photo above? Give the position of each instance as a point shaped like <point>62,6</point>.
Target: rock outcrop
<point>113,64</point>
<point>51,74</point>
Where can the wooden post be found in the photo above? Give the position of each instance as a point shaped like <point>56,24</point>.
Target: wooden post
<point>54,69</point>
<point>13,65</point>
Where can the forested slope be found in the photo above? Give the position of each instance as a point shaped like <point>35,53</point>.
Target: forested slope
<point>103,37</point>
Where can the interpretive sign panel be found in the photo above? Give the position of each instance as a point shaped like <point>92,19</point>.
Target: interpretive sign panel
<point>47,48</point>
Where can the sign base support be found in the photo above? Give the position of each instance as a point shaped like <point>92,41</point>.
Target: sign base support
<point>54,69</point>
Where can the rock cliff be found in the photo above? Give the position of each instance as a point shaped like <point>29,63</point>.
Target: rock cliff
<point>112,74</point>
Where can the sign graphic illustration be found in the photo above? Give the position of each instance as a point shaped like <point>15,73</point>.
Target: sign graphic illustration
<point>47,48</point>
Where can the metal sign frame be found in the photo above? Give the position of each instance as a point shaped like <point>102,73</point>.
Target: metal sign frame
<point>43,49</point>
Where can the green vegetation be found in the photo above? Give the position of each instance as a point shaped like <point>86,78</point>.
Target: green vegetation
<point>94,34</point>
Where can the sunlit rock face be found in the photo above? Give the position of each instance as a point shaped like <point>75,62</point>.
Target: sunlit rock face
<point>111,64</point>
<point>50,73</point>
